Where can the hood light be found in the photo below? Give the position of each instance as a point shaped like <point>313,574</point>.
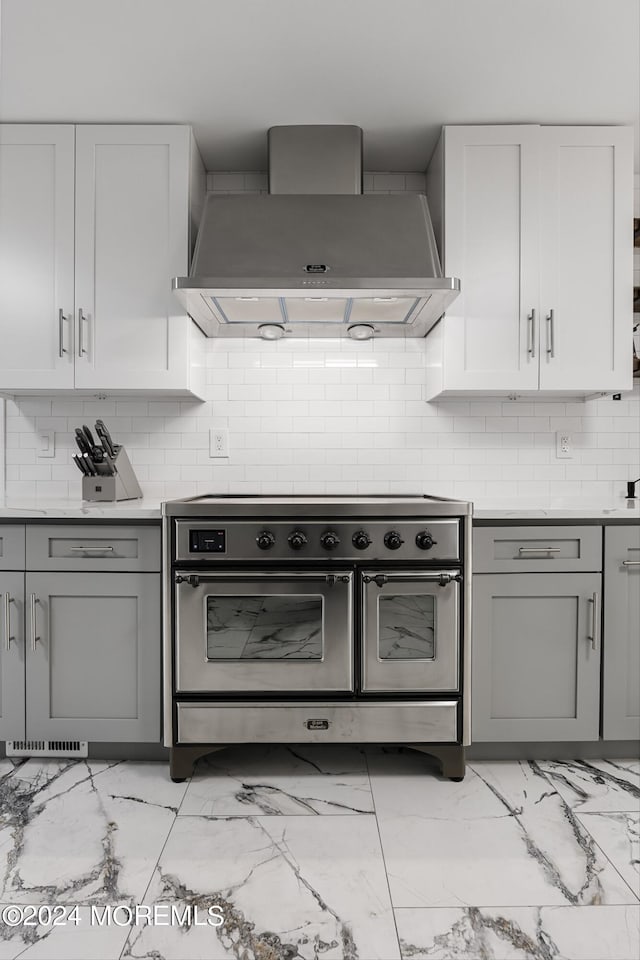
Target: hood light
<point>361,331</point>
<point>247,299</point>
<point>385,299</point>
<point>271,331</point>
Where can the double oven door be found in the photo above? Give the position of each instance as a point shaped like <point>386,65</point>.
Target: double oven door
<point>316,631</point>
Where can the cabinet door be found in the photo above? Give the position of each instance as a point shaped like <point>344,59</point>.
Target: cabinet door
<point>132,202</point>
<point>491,244</point>
<point>536,657</point>
<point>93,656</point>
<point>12,656</point>
<point>36,256</point>
<point>586,194</point>
<point>621,683</point>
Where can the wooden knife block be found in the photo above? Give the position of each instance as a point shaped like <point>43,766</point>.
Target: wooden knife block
<point>123,485</point>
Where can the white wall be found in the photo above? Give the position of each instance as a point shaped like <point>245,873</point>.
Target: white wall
<point>330,416</point>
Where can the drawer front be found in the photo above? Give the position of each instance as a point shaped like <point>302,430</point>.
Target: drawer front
<point>537,549</point>
<point>83,547</point>
<point>434,722</point>
<point>11,547</point>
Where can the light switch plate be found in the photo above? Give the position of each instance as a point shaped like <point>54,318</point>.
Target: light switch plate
<point>46,443</point>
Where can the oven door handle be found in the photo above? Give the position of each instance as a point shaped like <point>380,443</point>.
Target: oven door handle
<point>442,579</point>
<point>194,580</point>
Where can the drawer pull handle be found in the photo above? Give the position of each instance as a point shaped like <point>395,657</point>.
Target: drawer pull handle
<point>539,550</point>
<point>631,563</point>
<point>595,616</point>
<point>92,549</point>
<point>7,622</point>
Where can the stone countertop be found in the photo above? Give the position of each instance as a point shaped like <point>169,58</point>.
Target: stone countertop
<point>76,509</point>
<point>572,510</point>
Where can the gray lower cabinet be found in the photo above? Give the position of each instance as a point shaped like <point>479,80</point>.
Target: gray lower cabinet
<point>80,650</point>
<point>12,712</point>
<point>93,656</point>
<point>621,673</point>
<point>536,657</point>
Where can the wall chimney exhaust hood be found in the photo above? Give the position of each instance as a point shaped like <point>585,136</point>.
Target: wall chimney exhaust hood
<point>315,257</point>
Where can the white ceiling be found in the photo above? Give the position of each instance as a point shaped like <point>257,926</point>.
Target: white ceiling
<point>397,68</point>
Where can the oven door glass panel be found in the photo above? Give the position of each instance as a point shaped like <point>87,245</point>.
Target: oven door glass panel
<point>406,627</point>
<point>411,633</point>
<point>264,628</point>
<point>264,632</point>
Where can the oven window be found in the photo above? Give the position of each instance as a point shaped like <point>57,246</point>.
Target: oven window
<point>406,627</point>
<point>264,627</point>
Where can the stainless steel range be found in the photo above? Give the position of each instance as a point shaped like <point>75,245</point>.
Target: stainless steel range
<point>317,619</point>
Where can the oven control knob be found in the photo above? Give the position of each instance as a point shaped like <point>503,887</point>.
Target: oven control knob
<point>393,540</point>
<point>266,540</point>
<point>424,540</point>
<point>361,540</point>
<point>297,540</point>
<point>330,540</point>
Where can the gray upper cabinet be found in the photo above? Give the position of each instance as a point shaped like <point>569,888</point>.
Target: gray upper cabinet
<point>536,657</point>
<point>621,680</point>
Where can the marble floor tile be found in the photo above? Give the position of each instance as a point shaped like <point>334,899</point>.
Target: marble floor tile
<point>503,836</point>
<point>287,887</point>
<point>76,936</point>
<point>520,933</point>
<point>280,780</point>
<point>88,831</point>
<point>618,836</point>
<point>596,785</point>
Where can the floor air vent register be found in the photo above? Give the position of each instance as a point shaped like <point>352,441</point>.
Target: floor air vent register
<point>47,748</point>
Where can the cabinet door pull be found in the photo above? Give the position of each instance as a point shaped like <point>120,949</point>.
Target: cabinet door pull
<point>531,323</point>
<point>81,322</point>
<point>32,603</point>
<point>61,322</point>
<point>551,349</point>
<point>7,622</point>
<point>631,563</point>
<point>539,550</point>
<point>595,616</point>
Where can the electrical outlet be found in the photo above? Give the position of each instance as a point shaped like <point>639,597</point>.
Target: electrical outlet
<point>219,442</point>
<point>46,443</point>
<point>564,446</point>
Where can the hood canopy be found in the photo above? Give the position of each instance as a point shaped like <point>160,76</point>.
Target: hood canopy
<point>316,264</point>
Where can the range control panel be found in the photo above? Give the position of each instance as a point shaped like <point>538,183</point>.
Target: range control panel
<point>277,540</point>
<point>207,541</point>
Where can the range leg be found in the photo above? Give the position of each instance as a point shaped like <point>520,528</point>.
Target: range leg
<point>451,758</point>
<point>182,759</point>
